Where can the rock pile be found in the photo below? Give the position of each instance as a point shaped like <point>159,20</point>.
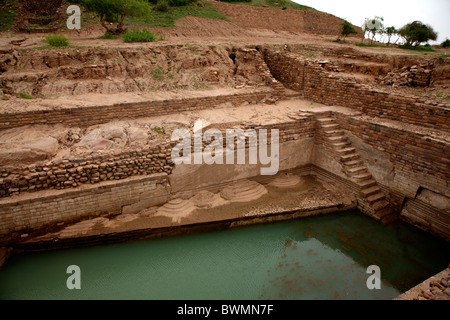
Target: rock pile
<point>434,288</point>
<point>439,290</point>
<point>415,76</point>
<point>328,66</point>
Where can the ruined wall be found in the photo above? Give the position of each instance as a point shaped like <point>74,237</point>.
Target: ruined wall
<point>321,86</point>
<point>39,211</point>
<point>92,115</point>
<point>295,150</point>
<point>64,174</point>
<point>71,173</point>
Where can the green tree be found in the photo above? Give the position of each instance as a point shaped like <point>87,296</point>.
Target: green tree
<point>106,9</point>
<point>373,26</point>
<point>390,32</point>
<point>445,44</point>
<point>347,29</point>
<point>416,33</point>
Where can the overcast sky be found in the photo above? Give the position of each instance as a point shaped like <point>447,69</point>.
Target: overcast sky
<point>396,13</point>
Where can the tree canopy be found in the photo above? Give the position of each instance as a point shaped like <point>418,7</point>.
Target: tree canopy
<point>416,33</point>
<point>118,8</point>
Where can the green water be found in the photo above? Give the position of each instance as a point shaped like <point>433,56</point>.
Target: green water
<point>316,258</point>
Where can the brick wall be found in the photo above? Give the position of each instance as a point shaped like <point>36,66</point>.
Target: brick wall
<point>87,116</point>
<point>68,174</point>
<point>64,174</point>
<point>329,88</point>
<point>37,211</point>
<point>413,154</point>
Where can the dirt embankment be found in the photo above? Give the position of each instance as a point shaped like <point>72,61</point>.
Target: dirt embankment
<point>73,71</point>
<point>297,21</point>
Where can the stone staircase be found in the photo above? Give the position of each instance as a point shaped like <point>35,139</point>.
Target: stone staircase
<point>372,200</point>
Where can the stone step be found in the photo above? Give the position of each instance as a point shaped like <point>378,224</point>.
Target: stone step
<point>385,211</point>
<point>357,170</point>
<point>340,145</point>
<point>370,191</point>
<point>346,151</point>
<point>350,157</point>
<point>354,163</point>
<point>330,126</point>
<point>334,133</point>
<point>323,121</point>
<point>338,139</point>
<point>367,183</point>
<point>380,205</point>
<point>389,217</point>
<point>376,197</point>
<point>363,177</point>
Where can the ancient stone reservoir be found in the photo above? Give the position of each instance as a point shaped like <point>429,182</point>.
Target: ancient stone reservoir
<point>90,161</point>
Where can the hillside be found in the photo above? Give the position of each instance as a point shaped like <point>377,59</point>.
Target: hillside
<point>30,16</point>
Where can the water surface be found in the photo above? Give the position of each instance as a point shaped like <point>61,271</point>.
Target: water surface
<point>322,257</point>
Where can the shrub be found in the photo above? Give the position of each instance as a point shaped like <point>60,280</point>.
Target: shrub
<point>179,3</point>
<point>445,44</point>
<point>236,0</point>
<point>162,6</point>
<point>56,40</point>
<point>139,36</point>
<point>347,29</point>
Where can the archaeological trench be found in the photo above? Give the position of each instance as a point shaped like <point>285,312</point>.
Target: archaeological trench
<point>90,161</point>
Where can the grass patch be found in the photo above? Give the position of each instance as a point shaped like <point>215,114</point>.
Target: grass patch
<point>158,74</point>
<point>144,35</point>
<point>440,95</point>
<point>24,96</point>
<point>8,11</point>
<point>159,130</point>
<point>419,48</point>
<point>370,45</point>
<point>56,40</point>
<point>167,19</point>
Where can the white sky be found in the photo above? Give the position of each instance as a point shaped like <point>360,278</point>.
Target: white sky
<point>396,13</point>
